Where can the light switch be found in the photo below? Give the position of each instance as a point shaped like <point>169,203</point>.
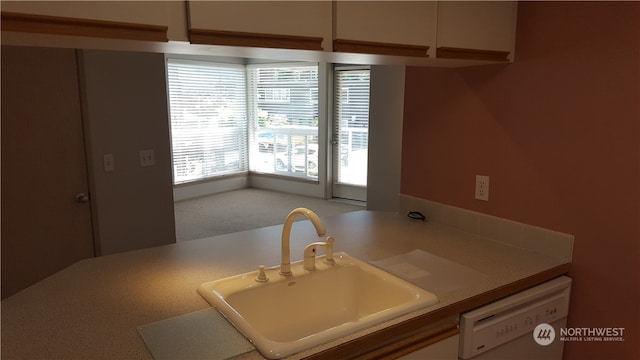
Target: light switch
<point>108,163</point>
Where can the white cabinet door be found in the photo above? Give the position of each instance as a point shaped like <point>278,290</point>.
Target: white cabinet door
<point>477,25</point>
<point>137,12</point>
<point>411,23</point>
<point>138,20</point>
<point>446,349</point>
<point>288,19</point>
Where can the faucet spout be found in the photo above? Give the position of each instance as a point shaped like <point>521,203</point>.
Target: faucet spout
<point>285,264</point>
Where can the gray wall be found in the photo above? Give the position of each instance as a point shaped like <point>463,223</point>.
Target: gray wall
<point>125,111</point>
<point>386,111</point>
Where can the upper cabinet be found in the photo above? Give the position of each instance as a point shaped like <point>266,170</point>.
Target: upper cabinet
<point>386,27</point>
<point>473,31</point>
<point>132,20</point>
<point>276,24</point>
<point>479,30</point>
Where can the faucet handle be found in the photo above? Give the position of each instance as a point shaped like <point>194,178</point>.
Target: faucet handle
<point>328,258</point>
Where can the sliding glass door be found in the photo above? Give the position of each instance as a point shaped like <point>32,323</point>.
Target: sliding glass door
<point>350,132</point>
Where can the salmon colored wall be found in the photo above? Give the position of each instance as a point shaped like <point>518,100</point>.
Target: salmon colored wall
<point>558,132</point>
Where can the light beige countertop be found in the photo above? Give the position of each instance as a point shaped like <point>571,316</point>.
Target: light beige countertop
<point>91,310</point>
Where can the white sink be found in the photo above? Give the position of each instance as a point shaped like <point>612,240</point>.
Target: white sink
<point>286,315</point>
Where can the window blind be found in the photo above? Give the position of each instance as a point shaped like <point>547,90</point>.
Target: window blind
<point>208,119</point>
<point>351,125</point>
<point>283,107</point>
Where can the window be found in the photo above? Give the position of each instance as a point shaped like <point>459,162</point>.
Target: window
<point>351,125</point>
<point>216,107</point>
<point>283,107</point>
<point>208,119</point>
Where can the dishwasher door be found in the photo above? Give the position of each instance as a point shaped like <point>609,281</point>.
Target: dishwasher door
<point>522,326</point>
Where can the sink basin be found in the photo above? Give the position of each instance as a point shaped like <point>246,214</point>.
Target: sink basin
<point>286,315</point>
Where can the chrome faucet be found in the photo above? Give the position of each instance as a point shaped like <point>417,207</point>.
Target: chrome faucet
<point>285,264</point>
<point>310,253</point>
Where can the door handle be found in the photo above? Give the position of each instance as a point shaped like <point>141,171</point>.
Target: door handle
<point>82,198</point>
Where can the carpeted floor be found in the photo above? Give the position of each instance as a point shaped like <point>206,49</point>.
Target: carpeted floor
<point>245,209</point>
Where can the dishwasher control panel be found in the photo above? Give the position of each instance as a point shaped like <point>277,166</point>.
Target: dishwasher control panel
<point>507,319</point>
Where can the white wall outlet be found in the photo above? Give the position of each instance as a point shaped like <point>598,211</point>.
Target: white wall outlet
<point>482,187</point>
<point>108,163</point>
<point>147,158</point>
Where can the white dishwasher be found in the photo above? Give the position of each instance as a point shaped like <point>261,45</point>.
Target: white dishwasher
<point>525,325</point>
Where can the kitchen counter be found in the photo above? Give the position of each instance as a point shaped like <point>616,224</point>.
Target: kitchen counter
<point>91,310</point>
